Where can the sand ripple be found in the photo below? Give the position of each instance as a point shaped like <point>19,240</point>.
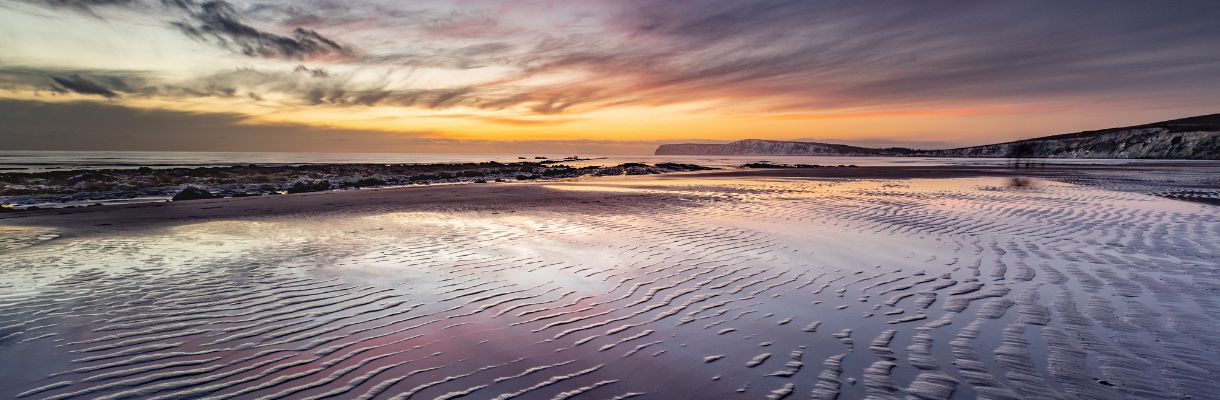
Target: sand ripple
<point>755,288</point>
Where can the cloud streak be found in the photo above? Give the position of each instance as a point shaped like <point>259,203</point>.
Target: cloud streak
<point>217,22</point>
<point>78,84</point>
<point>777,54</point>
<point>83,6</point>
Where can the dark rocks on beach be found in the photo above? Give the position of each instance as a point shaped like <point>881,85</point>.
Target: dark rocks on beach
<point>193,193</point>
<point>765,164</point>
<point>364,182</point>
<point>557,171</point>
<point>21,188</point>
<point>683,167</point>
<point>309,186</point>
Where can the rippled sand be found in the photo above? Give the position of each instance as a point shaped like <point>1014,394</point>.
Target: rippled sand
<point>673,287</point>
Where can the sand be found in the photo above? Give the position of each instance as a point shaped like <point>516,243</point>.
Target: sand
<point>793,283</point>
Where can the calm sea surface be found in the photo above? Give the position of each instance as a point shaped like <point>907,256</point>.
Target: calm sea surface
<point>35,161</point>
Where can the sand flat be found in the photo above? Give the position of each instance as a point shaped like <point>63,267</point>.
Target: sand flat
<point>768,283</point>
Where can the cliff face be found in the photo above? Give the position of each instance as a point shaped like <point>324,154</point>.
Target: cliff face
<point>1191,138</point>
<point>1188,138</point>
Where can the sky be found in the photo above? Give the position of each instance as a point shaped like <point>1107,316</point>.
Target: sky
<point>591,76</point>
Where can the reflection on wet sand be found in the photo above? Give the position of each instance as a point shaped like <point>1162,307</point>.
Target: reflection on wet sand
<point>674,287</point>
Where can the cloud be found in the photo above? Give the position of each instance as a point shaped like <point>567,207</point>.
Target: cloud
<point>217,22</point>
<point>788,55</point>
<point>314,72</point>
<point>33,125</point>
<point>84,6</point>
<point>96,126</point>
<point>768,56</point>
<point>512,121</point>
<point>79,84</point>
<point>827,54</point>
<point>299,86</point>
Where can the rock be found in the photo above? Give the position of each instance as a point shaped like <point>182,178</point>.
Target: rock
<point>366,182</point>
<point>309,186</point>
<point>193,193</point>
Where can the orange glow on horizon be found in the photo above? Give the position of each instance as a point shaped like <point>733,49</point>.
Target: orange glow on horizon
<point>707,120</point>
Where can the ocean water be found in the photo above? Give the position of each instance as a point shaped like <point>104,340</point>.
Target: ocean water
<point>36,161</point>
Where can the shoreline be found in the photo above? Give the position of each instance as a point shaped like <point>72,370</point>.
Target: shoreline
<point>1193,182</point>
<point>89,187</point>
<point>69,189</point>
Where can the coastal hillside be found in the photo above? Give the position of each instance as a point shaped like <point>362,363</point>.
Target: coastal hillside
<point>1187,138</point>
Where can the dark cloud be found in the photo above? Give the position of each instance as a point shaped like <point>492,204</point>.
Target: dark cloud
<point>95,126</point>
<point>557,104</point>
<point>826,54</point>
<point>791,55</point>
<point>772,55</point>
<point>31,125</point>
<point>217,22</point>
<point>85,6</point>
<point>78,84</point>
<point>329,13</point>
<point>308,86</point>
<point>314,72</point>
<point>107,84</point>
<point>84,3</point>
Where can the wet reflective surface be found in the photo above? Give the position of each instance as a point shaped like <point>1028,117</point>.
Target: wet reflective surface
<point>729,288</point>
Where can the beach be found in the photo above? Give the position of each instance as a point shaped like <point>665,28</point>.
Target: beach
<point>936,281</point>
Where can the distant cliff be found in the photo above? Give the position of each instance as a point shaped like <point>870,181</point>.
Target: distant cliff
<point>1187,138</point>
<point>774,147</point>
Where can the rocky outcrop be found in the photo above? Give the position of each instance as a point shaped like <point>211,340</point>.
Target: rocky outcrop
<point>72,188</point>
<point>309,186</point>
<point>1187,138</point>
<point>193,193</point>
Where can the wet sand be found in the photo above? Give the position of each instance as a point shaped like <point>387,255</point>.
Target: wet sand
<point>929,282</point>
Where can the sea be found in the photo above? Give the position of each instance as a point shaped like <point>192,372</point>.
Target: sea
<point>41,161</point>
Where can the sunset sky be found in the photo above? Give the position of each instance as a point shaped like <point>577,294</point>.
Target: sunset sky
<point>590,76</point>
